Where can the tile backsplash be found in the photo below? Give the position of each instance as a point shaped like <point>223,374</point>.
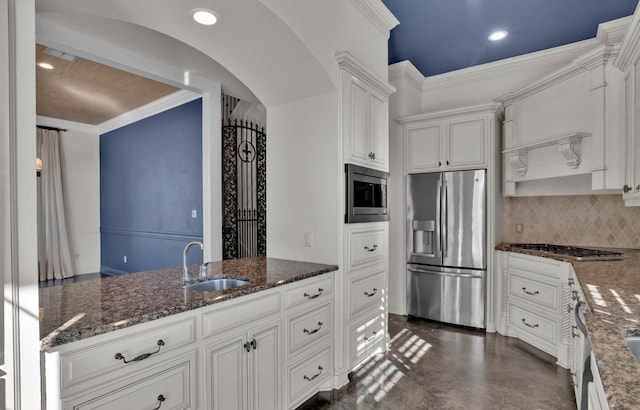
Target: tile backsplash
<point>587,220</point>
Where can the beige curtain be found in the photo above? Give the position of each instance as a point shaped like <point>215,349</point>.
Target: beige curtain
<point>54,257</point>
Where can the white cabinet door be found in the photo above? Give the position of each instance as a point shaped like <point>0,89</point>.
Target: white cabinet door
<point>226,375</point>
<point>242,372</point>
<point>466,143</point>
<point>379,131</point>
<point>631,189</point>
<point>358,118</point>
<point>264,365</point>
<point>423,148</point>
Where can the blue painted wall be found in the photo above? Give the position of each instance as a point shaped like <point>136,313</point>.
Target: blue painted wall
<point>150,181</point>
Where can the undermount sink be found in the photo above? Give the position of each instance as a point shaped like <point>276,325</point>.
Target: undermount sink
<point>632,338</point>
<point>214,285</point>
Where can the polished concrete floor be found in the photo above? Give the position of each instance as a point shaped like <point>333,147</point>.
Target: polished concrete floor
<point>433,366</point>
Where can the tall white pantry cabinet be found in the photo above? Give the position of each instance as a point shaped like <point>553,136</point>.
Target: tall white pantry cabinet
<point>363,307</point>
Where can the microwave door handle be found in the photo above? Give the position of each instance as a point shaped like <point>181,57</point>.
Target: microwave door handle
<point>438,239</point>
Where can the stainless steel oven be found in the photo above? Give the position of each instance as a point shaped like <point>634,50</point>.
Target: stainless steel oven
<point>366,194</point>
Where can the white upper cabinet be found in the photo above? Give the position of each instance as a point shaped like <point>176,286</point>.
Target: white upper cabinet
<point>365,114</point>
<point>450,140</point>
<point>568,124</point>
<point>627,61</point>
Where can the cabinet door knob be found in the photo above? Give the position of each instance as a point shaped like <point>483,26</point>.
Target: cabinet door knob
<point>439,163</point>
<point>447,162</point>
<point>638,187</point>
<point>626,188</point>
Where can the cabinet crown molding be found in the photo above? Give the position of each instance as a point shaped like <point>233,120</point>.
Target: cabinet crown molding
<point>592,59</point>
<point>476,109</point>
<point>406,70</point>
<point>354,67</point>
<point>613,32</point>
<point>378,14</point>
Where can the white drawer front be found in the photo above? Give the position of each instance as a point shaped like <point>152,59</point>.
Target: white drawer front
<point>306,375</point>
<point>544,266</point>
<point>366,247</point>
<point>365,338</point>
<point>310,291</point>
<point>169,389</point>
<point>309,326</point>
<point>535,291</point>
<point>365,292</point>
<point>239,312</point>
<point>98,360</point>
<point>543,328</point>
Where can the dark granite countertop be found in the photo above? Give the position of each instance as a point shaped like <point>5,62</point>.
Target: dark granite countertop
<point>612,290</point>
<point>79,310</point>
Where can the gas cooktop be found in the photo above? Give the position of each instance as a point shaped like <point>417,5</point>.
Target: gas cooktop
<point>573,252</point>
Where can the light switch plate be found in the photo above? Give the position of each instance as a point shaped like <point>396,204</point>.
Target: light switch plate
<point>308,239</point>
<point>194,213</point>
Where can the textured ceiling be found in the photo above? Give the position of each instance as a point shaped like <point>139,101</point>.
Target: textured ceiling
<point>90,93</point>
<point>439,36</point>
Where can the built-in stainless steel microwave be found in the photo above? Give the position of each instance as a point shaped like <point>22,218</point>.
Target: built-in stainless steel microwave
<point>366,194</point>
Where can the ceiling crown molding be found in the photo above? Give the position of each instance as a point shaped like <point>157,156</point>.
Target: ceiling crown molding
<point>508,66</point>
<point>67,125</point>
<point>155,107</point>
<point>612,32</point>
<point>349,63</point>
<point>630,50</point>
<point>585,62</point>
<point>406,70</point>
<point>378,14</point>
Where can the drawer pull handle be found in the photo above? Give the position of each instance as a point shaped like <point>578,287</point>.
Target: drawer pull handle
<point>143,356</point>
<point>373,248</point>
<point>570,281</point>
<point>531,326</point>
<point>574,294</point>
<point>569,308</point>
<point>310,332</point>
<point>368,339</point>
<point>306,295</point>
<point>307,378</point>
<point>367,294</point>
<point>530,293</point>
<point>161,399</point>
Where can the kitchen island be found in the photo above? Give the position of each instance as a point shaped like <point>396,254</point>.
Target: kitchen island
<point>83,309</point>
<point>612,292</point>
<point>144,340</point>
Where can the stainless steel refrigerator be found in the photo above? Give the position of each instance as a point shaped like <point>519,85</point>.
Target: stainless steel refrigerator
<point>446,246</point>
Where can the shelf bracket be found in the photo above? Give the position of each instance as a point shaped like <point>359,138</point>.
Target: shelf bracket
<point>520,161</point>
<point>570,148</point>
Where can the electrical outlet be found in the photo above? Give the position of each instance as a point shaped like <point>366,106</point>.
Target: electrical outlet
<point>519,228</point>
<point>308,239</point>
<point>125,258</point>
<point>194,213</point>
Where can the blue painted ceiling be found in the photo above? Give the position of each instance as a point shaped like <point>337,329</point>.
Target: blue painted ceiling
<point>439,36</point>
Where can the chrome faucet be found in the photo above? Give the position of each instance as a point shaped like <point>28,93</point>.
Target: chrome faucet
<point>185,273</point>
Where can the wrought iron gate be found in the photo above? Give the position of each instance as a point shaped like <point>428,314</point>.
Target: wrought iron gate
<point>244,189</point>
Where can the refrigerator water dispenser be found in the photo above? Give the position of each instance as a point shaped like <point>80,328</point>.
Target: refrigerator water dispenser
<point>424,237</point>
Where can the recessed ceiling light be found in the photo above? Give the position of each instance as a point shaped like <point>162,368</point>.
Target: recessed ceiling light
<point>204,16</point>
<point>498,35</point>
<point>46,66</point>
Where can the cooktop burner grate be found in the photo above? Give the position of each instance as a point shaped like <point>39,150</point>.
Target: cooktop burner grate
<point>571,251</point>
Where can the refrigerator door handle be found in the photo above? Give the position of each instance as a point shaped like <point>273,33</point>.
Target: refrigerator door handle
<point>445,224</point>
<point>438,238</point>
<point>433,272</point>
